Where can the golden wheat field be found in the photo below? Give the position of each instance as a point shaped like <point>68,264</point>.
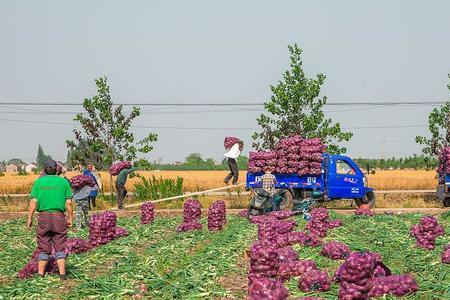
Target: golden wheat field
<point>202,180</point>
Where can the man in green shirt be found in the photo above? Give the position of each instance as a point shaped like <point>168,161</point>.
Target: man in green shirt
<point>120,185</point>
<point>51,196</point>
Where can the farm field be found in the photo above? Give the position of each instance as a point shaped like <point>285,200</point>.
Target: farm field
<point>155,262</point>
<point>202,180</point>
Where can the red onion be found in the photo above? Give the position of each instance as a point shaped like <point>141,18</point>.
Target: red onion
<point>189,226</point>
<point>287,254</point>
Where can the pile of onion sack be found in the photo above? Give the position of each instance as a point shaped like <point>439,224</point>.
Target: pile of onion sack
<point>319,223</point>
<point>217,215</point>
<point>292,155</point>
<point>230,141</point>
<point>115,168</point>
<point>426,232</point>
<point>445,256</point>
<point>355,276</point>
<point>286,270</point>
<point>444,166</point>
<point>103,229</point>
<point>73,245</point>
<point>81,181</point>
<point>147,212</point>
<point>335,250</point>
<point>364,212</point>
<point>191,216</point>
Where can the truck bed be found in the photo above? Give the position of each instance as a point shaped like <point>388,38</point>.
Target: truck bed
<point>288,180</point>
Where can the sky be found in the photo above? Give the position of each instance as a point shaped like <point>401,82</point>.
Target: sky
<point>219,52</point>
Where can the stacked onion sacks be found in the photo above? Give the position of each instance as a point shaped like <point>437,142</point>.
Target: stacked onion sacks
<point>335,250</point>
<point>426,232</point>
<point>116,167</point>
<point>445,256</point>
<point>319,223</point>
<point>103,229</point>
<point>191,216</point>
<point>81,180</point>
<point>292,155</point>
<point>216,216</point>
<point>355,276</point>
<point>147,212</point>
<point>287,270</point>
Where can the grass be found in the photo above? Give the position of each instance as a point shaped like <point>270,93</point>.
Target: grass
<point>205,265</point>
<point>203,180</point>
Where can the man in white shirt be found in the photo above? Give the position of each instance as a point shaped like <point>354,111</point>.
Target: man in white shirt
<point>232,154</point>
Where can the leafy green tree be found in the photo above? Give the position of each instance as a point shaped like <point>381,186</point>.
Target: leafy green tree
<point>296,108</point>
<point>105,134</point>
<point>439,126</point>
<point>16,161</point>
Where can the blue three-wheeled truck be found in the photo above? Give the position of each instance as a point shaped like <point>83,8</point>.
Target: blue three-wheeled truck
<point>341,178</point>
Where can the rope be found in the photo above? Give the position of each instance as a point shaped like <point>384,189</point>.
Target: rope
<point>185,195</point>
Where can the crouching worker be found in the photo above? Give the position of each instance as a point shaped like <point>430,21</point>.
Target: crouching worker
<point>268,181</point>
<point>51,196</point>
<point>81,197</point>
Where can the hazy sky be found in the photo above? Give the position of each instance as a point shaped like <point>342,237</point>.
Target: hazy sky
<point>219,51</point>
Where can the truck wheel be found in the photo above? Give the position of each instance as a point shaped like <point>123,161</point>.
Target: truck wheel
<point>369,199</point>
<point>287,201</point>
<point>446,202</point>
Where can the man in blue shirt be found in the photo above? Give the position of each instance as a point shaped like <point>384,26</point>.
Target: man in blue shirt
<point>94,193</point>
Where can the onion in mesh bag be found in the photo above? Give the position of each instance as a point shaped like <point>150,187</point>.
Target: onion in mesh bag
<point>81,180</point>
<point>263,288</point>
<point>189,226</point>
<point>335,250</point>
<point>361,211</point>
<point>286,270</point>
<point>396,285</point>
<point>314,280</point>
<point>115,168</point>
<point>216,216</point>
<point>147,212</point>
<point>229,142</point>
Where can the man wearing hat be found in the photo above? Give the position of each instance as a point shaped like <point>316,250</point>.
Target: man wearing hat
<point>51,196</point>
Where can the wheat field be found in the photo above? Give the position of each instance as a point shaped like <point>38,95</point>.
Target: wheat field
<point>202,180</point>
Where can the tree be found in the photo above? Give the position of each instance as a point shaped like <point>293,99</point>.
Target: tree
<point>296,108</point>
<point>105,134</point>
<point>41,157</point>
<point>69,164</point>
<point>439,126</point>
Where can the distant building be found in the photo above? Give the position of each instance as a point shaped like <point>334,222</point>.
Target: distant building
<point>216,163</point>
<point>30,167</point>
<point>11,168</point>
<point>178,163</point>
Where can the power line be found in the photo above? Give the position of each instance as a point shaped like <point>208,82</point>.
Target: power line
<point>210,128</point>
<point>371,103</point>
